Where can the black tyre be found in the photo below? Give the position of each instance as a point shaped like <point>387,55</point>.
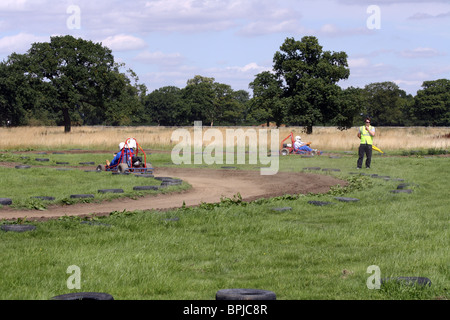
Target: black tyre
<point>170,183</point>
<point>163,178</point>
<point>18,227</point>
<point>44,198</point>
<point>421,281</point>
<point>101,167</point>
<point>139,188</point>
<point>320,203</point>
<point>404,185</point>
<point>402,191</point>
<point>110,191</point>
<point>284,152</point>
<point>22,167</point>
<point>344,199</point>
<point>84,296</point>
<point>245,294</point>
<point>5,201</point>
<point>312,168</point>
<point>42,159</point>
<point>81,196</point>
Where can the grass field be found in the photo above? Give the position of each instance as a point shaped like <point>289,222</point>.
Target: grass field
<point>305,253</point>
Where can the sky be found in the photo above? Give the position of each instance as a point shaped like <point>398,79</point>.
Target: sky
<point>168,42</point>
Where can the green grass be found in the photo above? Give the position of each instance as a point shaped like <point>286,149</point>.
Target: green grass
<point>50,179</point>
<point>309,252</point>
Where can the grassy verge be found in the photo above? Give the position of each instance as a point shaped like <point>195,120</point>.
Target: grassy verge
<point>307,252</point>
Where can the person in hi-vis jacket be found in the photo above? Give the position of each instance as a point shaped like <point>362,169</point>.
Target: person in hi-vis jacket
<point>366,134</point>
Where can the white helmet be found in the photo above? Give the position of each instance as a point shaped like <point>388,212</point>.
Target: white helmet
<point>298,138</point>
<point>121,145</point>
<point>132,143</point>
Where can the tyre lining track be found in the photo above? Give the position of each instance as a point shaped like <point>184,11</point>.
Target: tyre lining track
<point>208,186</point>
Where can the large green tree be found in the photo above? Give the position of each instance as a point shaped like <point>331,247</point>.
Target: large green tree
<point>310,76</point>
<point>432,103</point>
<point>78,76</point>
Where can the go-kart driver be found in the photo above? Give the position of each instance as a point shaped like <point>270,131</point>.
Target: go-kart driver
<point>299,145</point>
<point>127,153</point>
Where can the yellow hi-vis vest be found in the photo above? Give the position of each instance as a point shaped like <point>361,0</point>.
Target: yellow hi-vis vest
<point>366,138</point>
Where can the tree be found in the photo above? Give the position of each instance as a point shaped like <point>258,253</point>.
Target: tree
<point>12,111</point>
<point>165,106</point>
<point>222,101</point>
<point>352,107</point>
<point>79,75</point>
<point>208,100</point>
<point>432,103</point>
<point>236,112</point>
<point>310,76</point>
<point>198,96</point>
<point>385,103</point>
<point>267,94</point>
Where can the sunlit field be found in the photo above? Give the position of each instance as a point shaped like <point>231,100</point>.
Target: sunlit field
<point>322,138</point>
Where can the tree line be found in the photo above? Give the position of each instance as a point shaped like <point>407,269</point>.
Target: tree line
<point>70,81</point>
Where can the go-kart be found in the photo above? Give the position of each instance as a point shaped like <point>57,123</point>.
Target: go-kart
<point>129,160</point>
<point>288,148</point>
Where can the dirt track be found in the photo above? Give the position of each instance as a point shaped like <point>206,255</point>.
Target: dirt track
<point>207,186</point>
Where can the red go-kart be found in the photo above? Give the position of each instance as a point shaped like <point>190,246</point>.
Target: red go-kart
<point>287,148</point>
<point>130,160</point>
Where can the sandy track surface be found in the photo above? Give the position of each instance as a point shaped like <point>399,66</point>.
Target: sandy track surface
<point>208,186</point>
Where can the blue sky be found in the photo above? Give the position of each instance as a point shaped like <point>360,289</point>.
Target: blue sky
<point>167,42</point>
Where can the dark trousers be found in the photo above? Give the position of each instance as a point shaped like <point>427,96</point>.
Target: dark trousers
<point>364,149</point>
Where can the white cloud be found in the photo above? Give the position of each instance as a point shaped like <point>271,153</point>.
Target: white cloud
<point>358,63</point>
<point>258,28</point>
<point>19,43</point>
<point>250,67</point>
<point>123,42</point>
<point>160,58</point>
<point>13,5</point>
<point>420,53</point>
<point>423,16</point>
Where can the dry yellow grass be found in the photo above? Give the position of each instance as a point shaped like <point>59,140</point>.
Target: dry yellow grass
<point>108,138</point>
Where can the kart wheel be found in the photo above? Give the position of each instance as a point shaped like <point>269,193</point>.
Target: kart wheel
<point>101,167</point>
<point>284,152</point>
<point>18,227</point>
<point>122,168</point>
